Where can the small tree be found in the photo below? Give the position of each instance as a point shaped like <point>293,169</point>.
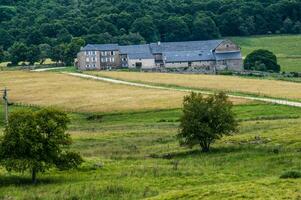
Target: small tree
<point>33,54</point>
<point>18,53</point>
<point>261,60</point>
<point>1,54</point>
<point>36,141</point>
<point>205,120</point>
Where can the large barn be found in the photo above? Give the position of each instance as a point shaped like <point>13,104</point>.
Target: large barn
<point>207,56</point>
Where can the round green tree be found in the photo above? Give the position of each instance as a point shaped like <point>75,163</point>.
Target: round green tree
<point>206,119</point>
<point>36,141</point>
<point>261,60</point>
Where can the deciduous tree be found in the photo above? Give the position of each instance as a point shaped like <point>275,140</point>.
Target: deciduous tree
<point>262,60</point>
<point>18,52</point>
<point>36,141</point>
<point>205,120</point>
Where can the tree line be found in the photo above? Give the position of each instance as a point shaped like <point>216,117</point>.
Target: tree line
<point>40,25</point>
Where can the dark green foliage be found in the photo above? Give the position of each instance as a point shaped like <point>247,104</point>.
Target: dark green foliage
<point>18,52</point>
<point>291,174</point>
<point>6,39</point>
<point>2,54</point>
<point>261,60</point>
<point>56,23</point>
<point>146,27</point>
<point>45,51</point>
<point>33,54</point>
<point>204,28</point>
<point>36,141</point>
<point>206,119</point>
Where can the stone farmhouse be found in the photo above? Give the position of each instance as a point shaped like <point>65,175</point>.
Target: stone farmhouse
<point>206,56</point>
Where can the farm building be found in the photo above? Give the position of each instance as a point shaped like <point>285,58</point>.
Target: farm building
<point>207,56</point>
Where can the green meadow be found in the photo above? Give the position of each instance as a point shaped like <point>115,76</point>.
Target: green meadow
<point>136,156</point>
<point>286,47</point>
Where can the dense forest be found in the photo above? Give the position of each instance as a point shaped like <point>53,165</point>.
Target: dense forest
<point>48,26</point>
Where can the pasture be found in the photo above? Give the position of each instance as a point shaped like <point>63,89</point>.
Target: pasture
<point>127,137</point>
<point>231,84</point>
<point>137,156</point>
<point>286,47</point>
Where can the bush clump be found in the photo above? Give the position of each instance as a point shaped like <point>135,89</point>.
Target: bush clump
<point>291,174</point>
<point>262,60</point>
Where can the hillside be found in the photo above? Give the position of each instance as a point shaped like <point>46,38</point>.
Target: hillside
<point>127,137</point>
<point>34,29</point>
<point>53,21</point>
<point>286,47</point>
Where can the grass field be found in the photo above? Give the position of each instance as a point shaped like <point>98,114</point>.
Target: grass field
<point>232,84</point>
<point>286,47</point>
<point>77,94</point>
<point>127,137</point>
<point>136,156</point>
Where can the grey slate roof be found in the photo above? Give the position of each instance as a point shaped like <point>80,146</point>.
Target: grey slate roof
<point>171,51</point>
<point>186,51</point>
<point>137,51</point>
<point>185,46</point>
<point>100,47</point>
<point>186,56</point>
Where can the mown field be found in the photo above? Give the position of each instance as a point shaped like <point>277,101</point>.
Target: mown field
<point>286,47</point>
<point>231,84</point>
<point>78,94</point>
<point>136,156</point>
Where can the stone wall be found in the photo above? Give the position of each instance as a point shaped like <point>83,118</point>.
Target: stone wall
<point>146,63</point>
<point>232,65</point>
<point>107,65</point>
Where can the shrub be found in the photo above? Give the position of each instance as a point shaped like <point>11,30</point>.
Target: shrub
<point>261,60</point>
<point>291,174</point>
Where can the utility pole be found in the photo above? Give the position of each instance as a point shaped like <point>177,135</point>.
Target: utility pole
<point>5,101</point>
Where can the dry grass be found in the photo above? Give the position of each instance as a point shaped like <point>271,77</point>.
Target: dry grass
<point>272,88</point>
<point>77,94</point>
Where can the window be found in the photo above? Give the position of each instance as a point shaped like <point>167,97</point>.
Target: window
<point>105,53</point>
<point>87,59</point>
<point>94,65</point>
<point>87,66</point>
<point>86,52</point>
<point>113,59</point>
<point>94,52</point>
<point>102,53</point>
<point>94,59</point>
<point>112,53</point>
